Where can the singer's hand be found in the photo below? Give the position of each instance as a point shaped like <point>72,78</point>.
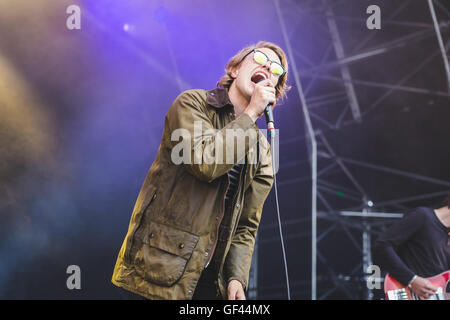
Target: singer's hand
<point>263,94</point>
<point>235,290</point>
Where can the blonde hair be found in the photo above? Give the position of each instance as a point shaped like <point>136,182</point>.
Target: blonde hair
<point>280,89</point>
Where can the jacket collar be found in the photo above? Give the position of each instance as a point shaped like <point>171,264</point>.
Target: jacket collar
<point>218,98</point>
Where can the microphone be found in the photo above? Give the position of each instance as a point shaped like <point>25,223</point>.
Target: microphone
<point>269,120</point>
<point>269,117</point>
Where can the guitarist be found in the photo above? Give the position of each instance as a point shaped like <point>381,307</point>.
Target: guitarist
<point>416,247</point>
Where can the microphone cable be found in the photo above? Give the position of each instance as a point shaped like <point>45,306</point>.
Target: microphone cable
<point>271,132</point>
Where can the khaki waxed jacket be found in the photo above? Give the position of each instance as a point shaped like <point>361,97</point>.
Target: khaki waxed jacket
<point>174,225</point>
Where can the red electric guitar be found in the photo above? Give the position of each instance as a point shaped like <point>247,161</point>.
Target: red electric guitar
<point>394,290</point>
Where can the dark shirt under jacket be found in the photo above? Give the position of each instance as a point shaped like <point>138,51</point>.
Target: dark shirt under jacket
<point>418,244</point>
<point>206,287</point>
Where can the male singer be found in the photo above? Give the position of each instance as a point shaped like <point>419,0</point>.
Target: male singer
<point>193,227</point>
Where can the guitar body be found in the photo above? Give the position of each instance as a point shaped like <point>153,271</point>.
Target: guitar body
<point>394,290</point>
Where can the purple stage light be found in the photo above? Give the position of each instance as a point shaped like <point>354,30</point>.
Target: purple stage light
<point>161,14</point>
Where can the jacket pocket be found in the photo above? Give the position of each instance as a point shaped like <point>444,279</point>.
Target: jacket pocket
<point>166,252</point>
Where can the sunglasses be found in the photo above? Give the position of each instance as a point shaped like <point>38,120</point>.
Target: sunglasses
<point>261,58</point>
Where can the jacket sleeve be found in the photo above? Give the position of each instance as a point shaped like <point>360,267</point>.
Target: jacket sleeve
<point>207,153</point>
<point>238,260</point>
<point>387,244</point>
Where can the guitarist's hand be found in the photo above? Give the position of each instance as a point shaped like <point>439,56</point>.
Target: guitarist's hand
<point>423,288</point>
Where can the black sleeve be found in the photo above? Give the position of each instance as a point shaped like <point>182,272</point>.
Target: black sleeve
<point>384,251</point>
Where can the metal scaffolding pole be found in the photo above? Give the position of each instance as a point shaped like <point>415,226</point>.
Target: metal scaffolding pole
<point>396,172</point>
<point>366,248</point>
<point>386,47</point>
<point>441,42</point>
<point>313,145</point>
<point>389,18</point>
<point>345,71</point>
<point>397,202</point>
<point>386,86</point>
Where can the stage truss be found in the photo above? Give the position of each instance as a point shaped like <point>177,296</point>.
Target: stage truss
<point>357,215</point>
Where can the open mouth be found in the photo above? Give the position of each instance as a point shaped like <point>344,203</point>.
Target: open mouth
<point>258,76</point>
